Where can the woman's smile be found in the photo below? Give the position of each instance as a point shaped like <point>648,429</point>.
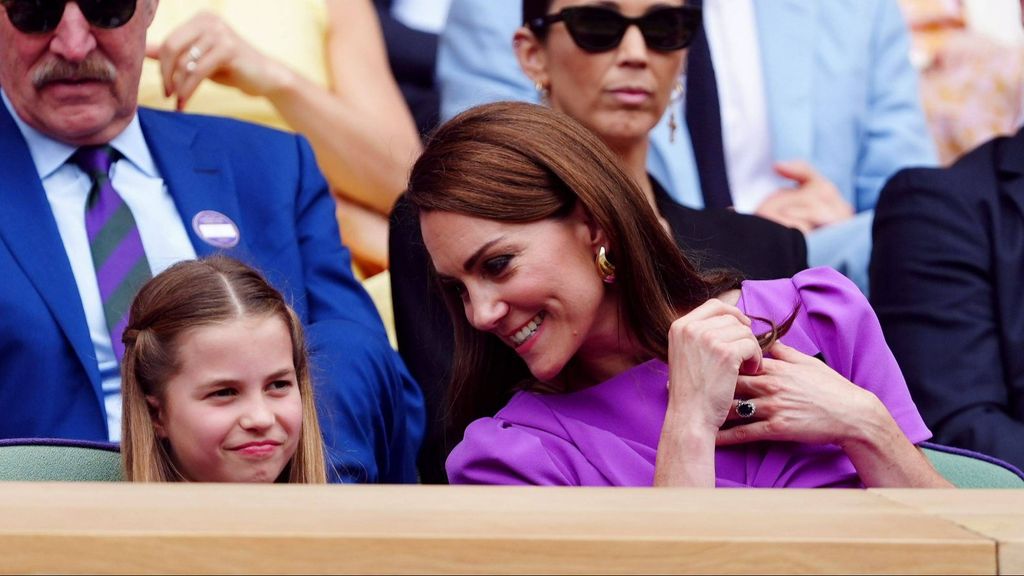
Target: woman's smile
<point>527,331</point>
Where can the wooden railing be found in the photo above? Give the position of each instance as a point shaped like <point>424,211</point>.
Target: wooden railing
<point>218,528</point>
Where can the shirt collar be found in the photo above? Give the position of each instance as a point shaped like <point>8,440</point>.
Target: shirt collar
<point>50,154</point>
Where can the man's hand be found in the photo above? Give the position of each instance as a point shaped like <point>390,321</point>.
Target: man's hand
<point>813,203</point>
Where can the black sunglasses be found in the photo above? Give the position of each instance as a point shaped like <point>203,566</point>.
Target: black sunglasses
<point>42,16</point>
<point>599,29</point>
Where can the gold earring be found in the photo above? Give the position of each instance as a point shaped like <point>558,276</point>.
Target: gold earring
<point>677,93</point>
<point>543,91</point>
<point>604,266</point>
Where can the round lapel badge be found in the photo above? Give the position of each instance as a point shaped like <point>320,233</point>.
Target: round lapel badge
<point>215,229</point>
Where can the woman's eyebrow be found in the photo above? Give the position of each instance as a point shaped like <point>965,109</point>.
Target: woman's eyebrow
<point>472,260</point>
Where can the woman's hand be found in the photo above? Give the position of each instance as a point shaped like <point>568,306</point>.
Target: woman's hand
<point>207,47</point>
<point>707,350</point>
<point>801,399</point>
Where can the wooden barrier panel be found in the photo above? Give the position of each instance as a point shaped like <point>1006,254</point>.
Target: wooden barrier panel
<point>997,514</point>
<point>219,528</point>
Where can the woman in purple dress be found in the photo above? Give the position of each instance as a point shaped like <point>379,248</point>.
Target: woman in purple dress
<point>590,351</point>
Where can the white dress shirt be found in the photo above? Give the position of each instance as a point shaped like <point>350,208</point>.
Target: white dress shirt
<point>731,29</point>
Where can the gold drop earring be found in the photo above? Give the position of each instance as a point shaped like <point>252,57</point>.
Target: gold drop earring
<point>605,268</point>
<point>677,93</point>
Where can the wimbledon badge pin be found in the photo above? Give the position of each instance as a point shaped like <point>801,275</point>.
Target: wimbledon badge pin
<point>215,229</point>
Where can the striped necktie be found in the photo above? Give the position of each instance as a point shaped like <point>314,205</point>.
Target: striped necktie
<point>117,253</point>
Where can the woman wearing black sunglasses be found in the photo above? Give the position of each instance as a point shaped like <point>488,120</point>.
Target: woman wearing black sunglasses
<point>616,71</point>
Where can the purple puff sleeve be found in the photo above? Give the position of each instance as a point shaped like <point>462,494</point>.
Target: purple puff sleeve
<point>850,338</point>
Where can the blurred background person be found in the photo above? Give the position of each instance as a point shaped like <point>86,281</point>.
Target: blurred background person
<point>817,104</point>
<point>947,271</point>
<point>972,70</point>
<point>318,67</point>
<point>619,85</point>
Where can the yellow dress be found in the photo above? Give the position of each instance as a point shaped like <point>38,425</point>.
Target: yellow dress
<point>292,31</point>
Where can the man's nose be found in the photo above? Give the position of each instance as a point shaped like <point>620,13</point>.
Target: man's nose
<point>73,39</point>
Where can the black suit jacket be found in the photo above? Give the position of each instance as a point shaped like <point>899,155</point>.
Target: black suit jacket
<point>715,238</point>
<point>947,281</point>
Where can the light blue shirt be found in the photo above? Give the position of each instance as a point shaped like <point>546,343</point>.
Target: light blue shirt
<point>164,237</point>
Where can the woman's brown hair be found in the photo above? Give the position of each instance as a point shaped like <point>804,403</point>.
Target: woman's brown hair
<point>188,295</point>
<point>516,162</point>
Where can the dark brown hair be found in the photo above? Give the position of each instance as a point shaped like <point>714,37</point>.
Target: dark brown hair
<point>517,162</point>
<point>187,295</point>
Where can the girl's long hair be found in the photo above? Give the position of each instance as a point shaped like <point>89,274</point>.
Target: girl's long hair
<point>187,295</point>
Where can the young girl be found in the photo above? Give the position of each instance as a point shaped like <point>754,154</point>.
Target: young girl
<point>215,381</point>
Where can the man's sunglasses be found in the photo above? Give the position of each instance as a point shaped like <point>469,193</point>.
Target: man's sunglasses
<point>599,29</point>
<point>42,16</point>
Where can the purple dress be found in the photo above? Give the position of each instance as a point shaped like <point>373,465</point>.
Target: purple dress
<point>607,435</point>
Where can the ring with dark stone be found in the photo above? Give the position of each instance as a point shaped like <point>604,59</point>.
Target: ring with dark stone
<point>745,408</point>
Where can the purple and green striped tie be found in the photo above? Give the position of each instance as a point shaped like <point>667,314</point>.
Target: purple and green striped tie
<point>117,253</point>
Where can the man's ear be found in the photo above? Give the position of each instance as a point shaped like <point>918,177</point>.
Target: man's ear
<point>532,56</point>
<point>156,415</point>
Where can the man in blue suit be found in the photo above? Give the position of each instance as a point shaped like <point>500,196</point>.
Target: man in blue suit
<point>835,84</point>
<point>195,185</point>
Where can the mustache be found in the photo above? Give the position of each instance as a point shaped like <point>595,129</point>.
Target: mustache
<point>94,68</point>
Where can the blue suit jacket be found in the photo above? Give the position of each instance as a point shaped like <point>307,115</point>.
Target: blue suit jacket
<point>268,183</point>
